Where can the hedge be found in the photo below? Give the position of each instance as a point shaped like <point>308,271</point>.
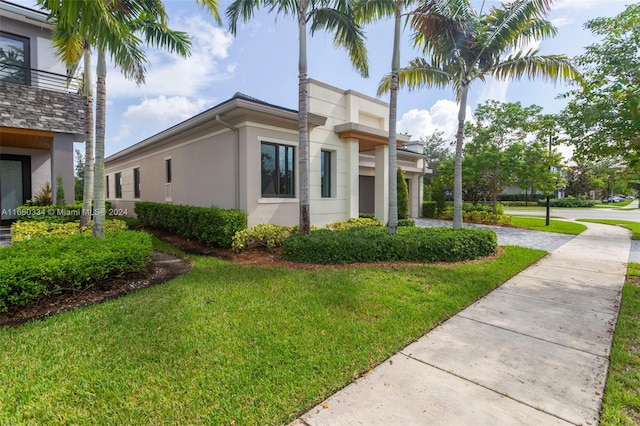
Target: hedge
<point>46,266</point>
<point>374,244</point>
<point>429,209</point>
<point>26,230</point>
<point>53,214</point>
<point>211,225</point>
<point>567,202</point>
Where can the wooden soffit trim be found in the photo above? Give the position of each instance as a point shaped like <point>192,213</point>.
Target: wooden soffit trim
<point>25,138</point>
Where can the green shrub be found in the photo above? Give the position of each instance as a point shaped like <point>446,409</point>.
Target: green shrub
<point>26,230</point>
<point>270,236</point>
<point>357,222</point>
<point>367,215</point>
<point>60,199</point>
<point>479,216</point>
<point>373,244</point>
<point>402,195</point>
<point>406,222</point>
<point>211,225</point>
<point>46,266</point>
<point>517,203</point>
<point>429,209</point>
<point>44,197</point>
<point>52,214</point>
<point>568,202</point>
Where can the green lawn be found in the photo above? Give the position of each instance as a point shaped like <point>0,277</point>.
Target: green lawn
<point>616,205</point>
<point>539,224</point>
<point>227,343</point>
<point>633,226</point>
<point>621,403</point>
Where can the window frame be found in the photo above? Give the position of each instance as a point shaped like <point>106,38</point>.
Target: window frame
<point>168,169</point>
<point>26,43</point>
<point>136,182</point>
<point>290,175</point>
<point>118,182</point>
<point>326,173</point>
<point>106,186</point>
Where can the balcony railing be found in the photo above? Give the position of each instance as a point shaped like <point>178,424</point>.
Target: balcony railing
<point>16,74</point>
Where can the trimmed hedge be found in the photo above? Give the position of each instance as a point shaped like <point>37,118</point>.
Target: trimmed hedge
<point>53,214</point>
<point>211,225</point>
<point>406,222</point>
<point>374,244</point>
<point>263,235</point>
<point>429,209</point>
<point>46,266</point>
<point>568,202</point>
<point>26,230</point>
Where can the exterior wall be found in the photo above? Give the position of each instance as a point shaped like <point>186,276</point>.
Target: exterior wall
<point>62,165</point>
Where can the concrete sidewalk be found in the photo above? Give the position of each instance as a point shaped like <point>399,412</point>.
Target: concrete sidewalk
<point>533,352</point>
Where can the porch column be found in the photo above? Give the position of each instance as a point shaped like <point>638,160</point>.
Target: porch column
<point>62,165</point>
<point>382,183</point>
<point>353,176</point>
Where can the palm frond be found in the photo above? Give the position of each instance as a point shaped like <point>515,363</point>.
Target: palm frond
<point>366,11</point>
<point>213,7</point>
<point>240,10</point>
<point>418,74</point>
<point>532,65</point>
<point>158,35</point>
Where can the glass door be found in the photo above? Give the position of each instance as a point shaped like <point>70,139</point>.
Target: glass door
<point>15,185</point>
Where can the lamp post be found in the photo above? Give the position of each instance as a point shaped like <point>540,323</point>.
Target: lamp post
<point>548,195</point>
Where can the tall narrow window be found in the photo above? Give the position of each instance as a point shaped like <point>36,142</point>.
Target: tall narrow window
<point>278,174</point>
<point>14,59</point>
<point>118,178</point>
<point>136,182</point>
<point>106,186</point>
<point>168,168</point>
<point>325,173</point>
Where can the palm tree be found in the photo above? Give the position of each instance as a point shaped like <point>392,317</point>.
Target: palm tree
<point>113,26</point>
<point>335,16</point>
<point>369,10</point>
<point>463,46</point>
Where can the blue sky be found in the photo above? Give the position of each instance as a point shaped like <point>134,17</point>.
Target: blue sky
<point>262,62</point>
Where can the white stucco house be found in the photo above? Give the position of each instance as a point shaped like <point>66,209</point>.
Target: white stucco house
<point>243,154</point>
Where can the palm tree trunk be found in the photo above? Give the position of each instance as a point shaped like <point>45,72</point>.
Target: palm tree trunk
<point>303,145</point>
<point>101,105</point>
<point>457,170</point>
<point>392,224</point>
<point>87,195</point>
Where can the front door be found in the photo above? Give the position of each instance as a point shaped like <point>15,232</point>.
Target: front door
<point>15,185</point>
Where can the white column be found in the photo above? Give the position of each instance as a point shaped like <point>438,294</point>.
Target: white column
<point>353,178</point>
<point>382,183</point>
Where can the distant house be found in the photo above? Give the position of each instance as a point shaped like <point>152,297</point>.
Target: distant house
<point>243,153</point>
<point>41,112</point>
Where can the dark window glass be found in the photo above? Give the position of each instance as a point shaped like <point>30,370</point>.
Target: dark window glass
<point>118,178</point>
<point>136,182</point>
<point>278,172</point>
<point>14,59</point>
<point>168,164</point>
<point>106,186</point>
<point>325,173</point>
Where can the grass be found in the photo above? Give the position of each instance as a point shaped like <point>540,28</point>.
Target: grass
<point>227,343</point>
<point>616,205</point>
<point>633,226</point>
<point>538,224</point>
<point>621,402</point>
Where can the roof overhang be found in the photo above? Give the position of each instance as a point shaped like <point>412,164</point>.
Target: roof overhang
<point>25,138</point>
<point>24,14</point>
<point>369,137</point>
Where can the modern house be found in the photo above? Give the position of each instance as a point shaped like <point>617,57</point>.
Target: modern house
<point>41,112</point>
<point>243,153</point>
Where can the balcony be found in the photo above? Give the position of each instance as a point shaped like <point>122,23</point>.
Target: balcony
<point>17,74</point>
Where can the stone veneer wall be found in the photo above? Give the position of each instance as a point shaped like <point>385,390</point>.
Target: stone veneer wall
<point>28,107</point>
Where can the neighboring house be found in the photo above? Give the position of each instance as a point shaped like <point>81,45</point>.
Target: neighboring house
<point>243,153</point>
<point>41,112</point>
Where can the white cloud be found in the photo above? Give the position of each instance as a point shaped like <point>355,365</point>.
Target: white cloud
<point>442,116</point>
<point>172,75</point>
<point>562,22</point>
<point>156,114</point>
<point>582,4</point>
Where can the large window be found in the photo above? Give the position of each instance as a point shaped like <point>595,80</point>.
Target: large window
<point>106,186</point>
<point>14,59</point>
<point>326,169</point>
<point>167,163</point>
<point>278,173</point>
<point>136,182</point>
<point>118,178</point>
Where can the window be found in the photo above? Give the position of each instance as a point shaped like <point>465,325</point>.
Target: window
<point>14,59</point>
<point>277,170</point>
<point>106,186</point>
<point>136,182</point>
<point>168,169</point>
<point>118,178</point>
<point>325,173</point>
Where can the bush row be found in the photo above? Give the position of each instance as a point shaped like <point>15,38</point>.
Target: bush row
<point>479,216</point>
<point>53,214</point>
<point>45,266</point>
<point>26,230</point>
<point>568,202</point>
<point>211,225</point>
<point>374,244</point>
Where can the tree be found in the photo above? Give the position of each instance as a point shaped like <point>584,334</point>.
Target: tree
<point>112,26</point>
<point>462,46</point>
<point>402,196</point>
<point>436,152</point>
<point>369,10</point>
<point>603,118</point>
<point>60,198</point>
<point>333,16</point>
